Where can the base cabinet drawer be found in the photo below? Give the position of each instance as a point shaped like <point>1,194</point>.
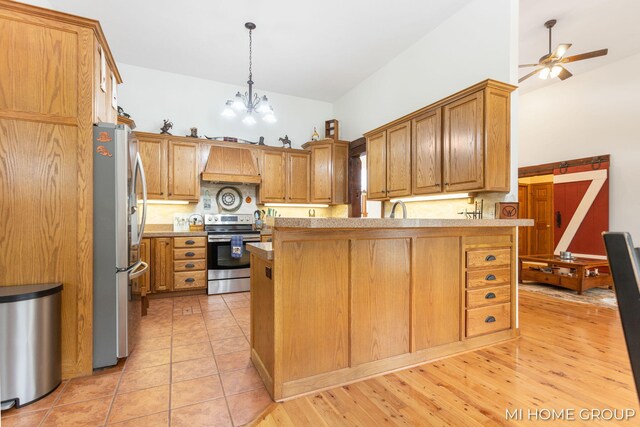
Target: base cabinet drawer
<point>488,277</point>
<point>190,265</point>
<point>189,253</point>
<point>488,296</point>
<point>189,242</point>
<point>488,319</point>
<point>488,257</point>
<point>189,280</point>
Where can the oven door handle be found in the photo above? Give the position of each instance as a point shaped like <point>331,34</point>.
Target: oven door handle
<point>228,239</point>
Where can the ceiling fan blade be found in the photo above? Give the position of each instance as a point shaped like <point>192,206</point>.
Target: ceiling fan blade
<point>527,65</point>
<point>521,79</point>
<point>588,55</point>
<point>561,50</point>
<point>564,73</point>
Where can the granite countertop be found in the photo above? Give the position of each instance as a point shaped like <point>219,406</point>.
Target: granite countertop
<point>263,250</point>
<point>166,230</point>
<point>394,223</point>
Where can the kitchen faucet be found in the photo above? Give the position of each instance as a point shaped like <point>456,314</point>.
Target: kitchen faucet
<point>393,209</point>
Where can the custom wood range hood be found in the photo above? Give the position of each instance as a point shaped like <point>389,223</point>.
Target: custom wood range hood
<point>232,165</point>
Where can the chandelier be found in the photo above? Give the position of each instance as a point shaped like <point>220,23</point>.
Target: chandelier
<point>249,102</point>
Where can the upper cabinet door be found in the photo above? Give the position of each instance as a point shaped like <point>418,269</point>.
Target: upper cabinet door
<point>464,144</point>
<point>273,188</point>
<point>298,177</point>
<point>427,152</point>
<point>399,160</point>
<point>153,153</point>
<point>321,174</point>
<point>377,166</point>
<point>184,182</point>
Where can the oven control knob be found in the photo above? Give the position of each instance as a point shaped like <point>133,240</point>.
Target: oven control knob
<point>215,219</point>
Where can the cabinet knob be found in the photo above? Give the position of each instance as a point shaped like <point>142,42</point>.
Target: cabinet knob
<point>189,265</point>
<point>490,258</point>
<point>490,277</point>
<point>189,280</point>
<point>190,242</point>
<point>162,193</point>
<point>489,319</point>
<point>267,272</point>
<point>190,254</point>
<point>490,295</point>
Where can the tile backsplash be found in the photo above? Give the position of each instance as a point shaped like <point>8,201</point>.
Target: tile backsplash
<point>164,214</point>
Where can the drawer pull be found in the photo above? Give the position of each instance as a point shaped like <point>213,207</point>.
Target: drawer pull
<point>190,242</point>
<point>490,295</point>
<point>191,280</point>
<point>490,258</point>
<point>190,254</point>
<point>490,277</point>
<point>189,265</point>
<point>489,319</point>
<point>267,272</point>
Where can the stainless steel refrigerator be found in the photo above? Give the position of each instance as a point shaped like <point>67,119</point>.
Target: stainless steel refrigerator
<point>118,224</point>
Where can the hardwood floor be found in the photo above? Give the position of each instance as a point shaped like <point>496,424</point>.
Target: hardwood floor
<point>569,356</point>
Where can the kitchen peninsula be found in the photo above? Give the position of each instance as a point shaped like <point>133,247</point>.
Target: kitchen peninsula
<point>335,300</point>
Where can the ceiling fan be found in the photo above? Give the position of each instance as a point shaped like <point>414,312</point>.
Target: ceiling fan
<point>551,64</point>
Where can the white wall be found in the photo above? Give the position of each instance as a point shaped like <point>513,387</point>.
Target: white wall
<point>587,115</point>
<point>41,3</point>
<point>151,96</point>
<point>478,42</point>
<point>471,46</point>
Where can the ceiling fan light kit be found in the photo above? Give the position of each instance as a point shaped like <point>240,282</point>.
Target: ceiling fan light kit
<point>249,102</point>
<point>551,64</point>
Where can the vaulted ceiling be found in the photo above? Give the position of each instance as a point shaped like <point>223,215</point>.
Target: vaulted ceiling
<point>312,49</point>
<point>320,50</point>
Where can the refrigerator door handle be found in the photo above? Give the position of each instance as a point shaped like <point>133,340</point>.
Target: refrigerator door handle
<point>130,268</point>
<point>137,272</point>
<point>140,168</point>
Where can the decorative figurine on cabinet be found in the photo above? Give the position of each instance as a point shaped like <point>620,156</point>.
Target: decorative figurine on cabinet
<point>315,136</point>
<point>165,127</point>
<point>286,142</point>
<point>194,133</point>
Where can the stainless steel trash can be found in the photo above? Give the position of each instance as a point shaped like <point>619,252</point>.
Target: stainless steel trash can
<point>30,353</point>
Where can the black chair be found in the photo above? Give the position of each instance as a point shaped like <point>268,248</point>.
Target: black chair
<point>624,261</point>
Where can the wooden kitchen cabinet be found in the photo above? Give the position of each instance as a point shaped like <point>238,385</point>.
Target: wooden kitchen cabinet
<point>285,176</point>
<point>171,166</point>
<point>153,153</point>
<point>297,177</point>
<point>103,108</point>
<point>437,291</point>
<point>162,264</point>
<point>427,152</point>
<point>390,164</point>
<point>329,171</point>
<point>458,144</point>
<point>184,179</point>
<point>273,187</point>
<point>399,160</point>
<point>377,166</point>
<point>463,144</point>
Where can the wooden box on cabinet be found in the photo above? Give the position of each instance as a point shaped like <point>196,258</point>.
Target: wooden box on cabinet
<point>329,171</point>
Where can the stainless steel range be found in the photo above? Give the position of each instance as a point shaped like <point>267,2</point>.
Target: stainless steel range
<point>226,273</point>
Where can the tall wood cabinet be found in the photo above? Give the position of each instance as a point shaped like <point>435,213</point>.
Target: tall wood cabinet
<point>329,171</point>
<point>458,144</point>
<point>171,166</point>
<point>50,82</point>
<point>162,264</point>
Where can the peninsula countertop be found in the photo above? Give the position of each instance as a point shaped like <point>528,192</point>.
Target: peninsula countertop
<point>263,249</point>
<point>278,222</point>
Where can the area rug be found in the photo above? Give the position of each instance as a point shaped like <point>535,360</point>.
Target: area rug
<point>598,296</point>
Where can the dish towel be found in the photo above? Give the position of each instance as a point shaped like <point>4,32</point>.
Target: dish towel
<point>236,246</point>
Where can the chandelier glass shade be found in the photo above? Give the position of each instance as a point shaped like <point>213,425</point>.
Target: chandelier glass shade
<point>250,102</point>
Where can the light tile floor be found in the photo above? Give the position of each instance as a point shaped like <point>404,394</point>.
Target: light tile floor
<point>190,367</point>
